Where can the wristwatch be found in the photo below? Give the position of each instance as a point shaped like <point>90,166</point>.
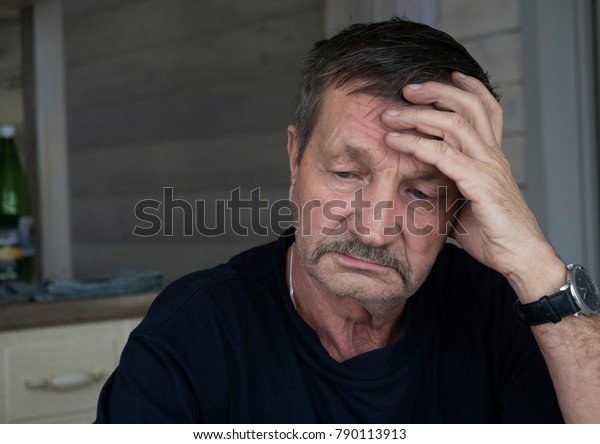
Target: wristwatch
<point>580,296</point>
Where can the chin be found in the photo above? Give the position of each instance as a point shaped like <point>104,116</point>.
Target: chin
<point>362,288</point>
<point>377,301</point>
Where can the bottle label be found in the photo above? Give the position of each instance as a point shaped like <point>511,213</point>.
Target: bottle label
<point>10,253</point>
<point>10,249</point>
<point>26,235</point>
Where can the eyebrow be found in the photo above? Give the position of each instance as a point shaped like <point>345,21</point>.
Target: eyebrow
<point>430,176</point>
<point>357,153</point>
<point>427,175</point>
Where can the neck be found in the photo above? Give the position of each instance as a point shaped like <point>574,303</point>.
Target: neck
<point>345,327</point>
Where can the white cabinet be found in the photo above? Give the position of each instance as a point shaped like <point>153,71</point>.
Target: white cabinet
<point>54,375</point>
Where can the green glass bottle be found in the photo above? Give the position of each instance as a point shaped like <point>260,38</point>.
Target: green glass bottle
<point>15,201</point>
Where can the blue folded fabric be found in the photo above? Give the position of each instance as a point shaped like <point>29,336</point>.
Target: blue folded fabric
<point>59,289</point>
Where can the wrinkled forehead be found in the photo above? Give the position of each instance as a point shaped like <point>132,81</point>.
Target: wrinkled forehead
<point>354,119</point>
<point>346,104</point>
<point>350,129</point>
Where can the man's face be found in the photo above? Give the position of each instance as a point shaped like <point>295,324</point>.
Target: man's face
<point>370,223</point>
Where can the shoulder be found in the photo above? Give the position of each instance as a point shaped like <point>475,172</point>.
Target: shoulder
<point>197,297</point>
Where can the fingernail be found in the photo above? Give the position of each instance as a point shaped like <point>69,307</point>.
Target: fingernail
<point>393,134</point>
<point>414,86</point>
<point>393,112</point>
<point>461,75</point>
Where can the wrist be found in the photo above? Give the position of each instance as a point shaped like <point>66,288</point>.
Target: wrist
<point>544,274</point>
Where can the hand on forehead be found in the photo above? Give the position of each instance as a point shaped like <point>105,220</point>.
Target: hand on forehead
<point>350,125</point>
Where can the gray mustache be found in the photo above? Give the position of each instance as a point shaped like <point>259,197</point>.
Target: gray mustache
<point>353,247</point>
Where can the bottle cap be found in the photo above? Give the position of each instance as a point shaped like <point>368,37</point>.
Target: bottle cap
<point>7,131</point>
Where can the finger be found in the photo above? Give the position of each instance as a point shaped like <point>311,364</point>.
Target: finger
<point>449,126</point>
<point>475,179</point>
<point>451,98</point>
<point>450,162</point>
<point>489,102</point>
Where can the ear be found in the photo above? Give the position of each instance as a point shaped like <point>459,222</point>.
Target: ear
<point>292,147</point>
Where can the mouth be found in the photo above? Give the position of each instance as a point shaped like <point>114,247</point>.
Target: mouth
<point>356,262</point>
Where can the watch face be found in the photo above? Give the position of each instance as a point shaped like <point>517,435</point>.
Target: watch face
<point>586,290</point>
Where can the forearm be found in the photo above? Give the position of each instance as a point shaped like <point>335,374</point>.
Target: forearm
<point>571,349</point>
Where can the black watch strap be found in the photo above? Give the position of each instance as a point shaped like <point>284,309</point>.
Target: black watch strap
<point>547,309</point>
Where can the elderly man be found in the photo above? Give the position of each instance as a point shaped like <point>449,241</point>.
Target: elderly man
<point>364,313</point>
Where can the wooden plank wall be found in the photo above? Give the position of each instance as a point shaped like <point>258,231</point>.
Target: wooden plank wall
<point>196,96</point>
<point>193,95</point>
<point>11,93</point>
<point>491,31</point>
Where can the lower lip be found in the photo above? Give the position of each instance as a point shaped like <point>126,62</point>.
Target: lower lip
<point>359,263</point>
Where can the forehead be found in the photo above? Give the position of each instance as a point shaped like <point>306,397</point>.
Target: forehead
<point>358,115</point>
<point>349,133</point>
<point>349,127</point>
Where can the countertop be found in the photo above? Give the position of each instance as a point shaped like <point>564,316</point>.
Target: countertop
<point>20,315</point>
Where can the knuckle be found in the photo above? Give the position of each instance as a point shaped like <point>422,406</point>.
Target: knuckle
<point>416,113</point>
<point>496,108</point>
<point>445,150</point>
<point>476,102</point>
<point>457,121</point>
<point>497,115</point>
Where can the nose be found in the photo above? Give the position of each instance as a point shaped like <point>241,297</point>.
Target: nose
<point>377,217</point>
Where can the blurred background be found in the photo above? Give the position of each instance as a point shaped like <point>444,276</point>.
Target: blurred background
<point>196,96</point>
<point>116,100</point>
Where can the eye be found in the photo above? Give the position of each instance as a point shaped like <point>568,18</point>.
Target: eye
<point>344,174</point>
<point>419,194</point>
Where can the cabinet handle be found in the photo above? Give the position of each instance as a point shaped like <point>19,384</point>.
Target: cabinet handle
<point>66,381</point>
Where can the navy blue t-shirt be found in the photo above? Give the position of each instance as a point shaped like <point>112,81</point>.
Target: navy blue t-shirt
<point>226,346</point>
